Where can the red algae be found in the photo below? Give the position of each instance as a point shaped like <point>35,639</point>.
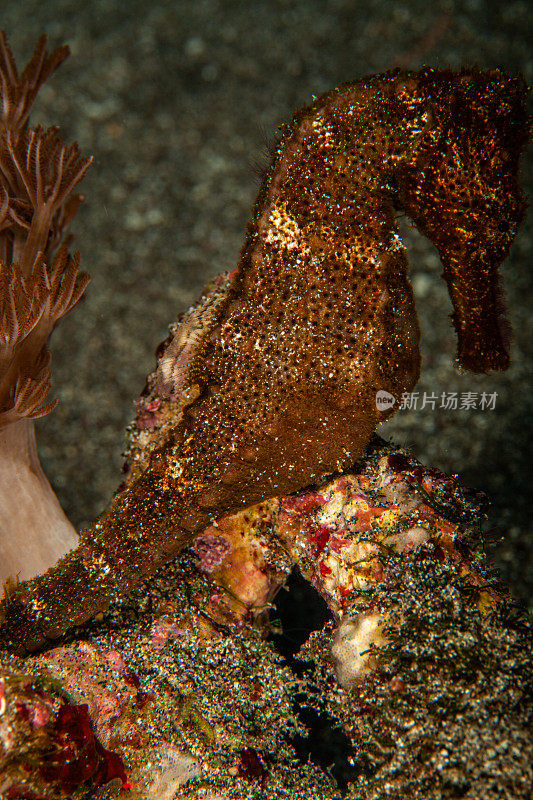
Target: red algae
<point>79,756</point>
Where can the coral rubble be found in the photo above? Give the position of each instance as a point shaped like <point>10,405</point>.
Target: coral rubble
<point>187,697</point>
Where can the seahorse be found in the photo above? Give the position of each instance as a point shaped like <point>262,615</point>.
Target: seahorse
<point>279,385</point>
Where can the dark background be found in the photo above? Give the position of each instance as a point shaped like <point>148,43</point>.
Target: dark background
<point>176,101</point>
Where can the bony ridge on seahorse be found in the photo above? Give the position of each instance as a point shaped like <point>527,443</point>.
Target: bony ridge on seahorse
<point>269,384</point>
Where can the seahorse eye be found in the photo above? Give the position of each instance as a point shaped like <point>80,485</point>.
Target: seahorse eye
<point>503,226</point>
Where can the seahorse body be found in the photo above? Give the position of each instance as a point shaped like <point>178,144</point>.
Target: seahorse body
<point>280,385</point>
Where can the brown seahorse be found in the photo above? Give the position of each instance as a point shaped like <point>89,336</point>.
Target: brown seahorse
<point>280,386</point>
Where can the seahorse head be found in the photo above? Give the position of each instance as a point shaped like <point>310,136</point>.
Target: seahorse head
<point>460,187</point>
